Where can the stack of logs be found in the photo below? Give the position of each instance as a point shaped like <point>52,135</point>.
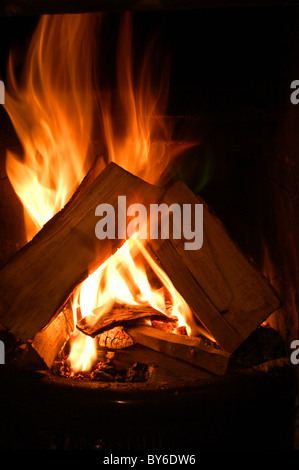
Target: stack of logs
<point>227,294</point>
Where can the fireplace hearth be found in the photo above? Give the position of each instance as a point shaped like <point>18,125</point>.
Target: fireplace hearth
<point>232,119</point>
<point>251,407</point>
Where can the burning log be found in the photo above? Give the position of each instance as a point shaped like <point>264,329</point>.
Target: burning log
<point>227,293</point>
<point>116,338</point>
<point>171,262</point>
<point>130,331</point>
<point>38,280</point>
<point>122,315</point>
<point>185,348</point>
<point>50,340</point>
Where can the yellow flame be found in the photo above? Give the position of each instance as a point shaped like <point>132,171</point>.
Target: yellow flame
<point>123,279</point>
<point>53,109</point>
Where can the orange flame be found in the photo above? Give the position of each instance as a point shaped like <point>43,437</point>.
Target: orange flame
<point>53,109</point>
<point>142,146</point>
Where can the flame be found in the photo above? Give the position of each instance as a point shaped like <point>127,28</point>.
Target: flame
<point>51,108</point>
<point>55,108</point>
<point>123,279</point>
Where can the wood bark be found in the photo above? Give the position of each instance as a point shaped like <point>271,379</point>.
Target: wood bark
<point>171,262</point>
<point>49,341</point>
<point>116,338</point>
<point>37,281</point>
<point>227,294</point>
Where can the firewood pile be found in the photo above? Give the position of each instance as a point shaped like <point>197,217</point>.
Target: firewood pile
<point>229,297</point>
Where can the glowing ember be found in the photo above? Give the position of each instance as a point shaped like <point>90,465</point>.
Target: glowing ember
<point>53,110</point>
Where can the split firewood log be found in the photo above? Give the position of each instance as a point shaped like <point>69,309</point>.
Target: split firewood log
<point>188,349</point>
<point>226,291</point>
<point>92,325</point>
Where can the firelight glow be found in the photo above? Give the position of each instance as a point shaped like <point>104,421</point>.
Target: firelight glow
<point>55,108</point>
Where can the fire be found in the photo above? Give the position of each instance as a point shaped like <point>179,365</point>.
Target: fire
<point>55,108</point>
<point>52,115</point>
<point>123,279</point>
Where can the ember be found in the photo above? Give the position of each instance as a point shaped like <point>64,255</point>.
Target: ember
<point>104,372</point>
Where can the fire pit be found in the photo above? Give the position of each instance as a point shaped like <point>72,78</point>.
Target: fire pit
<point>251,407</point>
<point>128,289</point>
